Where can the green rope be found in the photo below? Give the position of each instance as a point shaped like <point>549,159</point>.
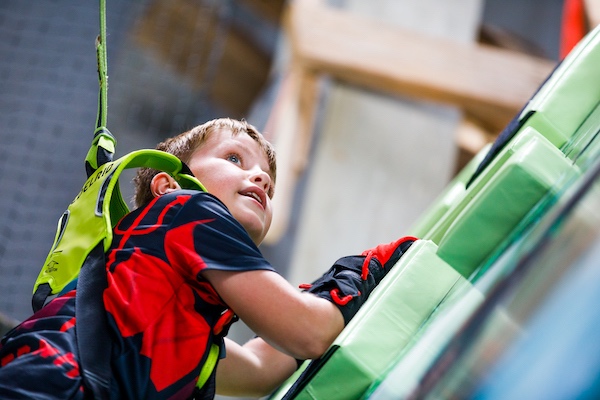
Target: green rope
<point>103,143</point>
<point>102,68</point>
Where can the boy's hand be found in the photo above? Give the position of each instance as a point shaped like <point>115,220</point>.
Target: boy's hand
<point>350,281</point>
<point>386,254</point>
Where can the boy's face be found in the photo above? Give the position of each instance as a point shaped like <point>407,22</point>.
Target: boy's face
<point>236,171</point>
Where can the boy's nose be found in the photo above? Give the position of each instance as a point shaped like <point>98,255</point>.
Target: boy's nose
<point>261,179</point>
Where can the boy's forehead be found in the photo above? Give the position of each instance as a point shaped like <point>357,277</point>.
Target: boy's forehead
<point>228,137</point>
<point>218,139</point>
<point>225,138</point>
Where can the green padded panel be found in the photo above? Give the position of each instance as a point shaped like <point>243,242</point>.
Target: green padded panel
<point>535,169</point>
<point>570,94</point>
<point>419,355</point>
<point>449,196</point>
<point>402,379</point>
<point>437,231</point>
<point>395,311</point>
<point>425,346</point>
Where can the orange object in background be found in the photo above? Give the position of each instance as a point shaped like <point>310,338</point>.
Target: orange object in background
<point>573,26</point>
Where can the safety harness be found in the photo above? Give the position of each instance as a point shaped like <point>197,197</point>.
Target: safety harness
<point>85,232</point>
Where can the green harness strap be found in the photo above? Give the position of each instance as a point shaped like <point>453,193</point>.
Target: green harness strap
<point>89,219</point>
<point>103,143</point>
<point>209,365</point>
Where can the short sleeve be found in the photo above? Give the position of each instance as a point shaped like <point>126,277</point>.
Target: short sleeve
<point>204,235</point>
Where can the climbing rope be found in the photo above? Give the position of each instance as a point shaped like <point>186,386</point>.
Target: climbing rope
<point>103,142</point>
<point>102,69</point>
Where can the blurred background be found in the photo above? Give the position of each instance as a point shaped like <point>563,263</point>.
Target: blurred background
<point>360,157</point>
<point>373,107</point>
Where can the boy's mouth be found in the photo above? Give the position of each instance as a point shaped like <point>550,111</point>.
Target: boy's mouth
<point>254,194</point>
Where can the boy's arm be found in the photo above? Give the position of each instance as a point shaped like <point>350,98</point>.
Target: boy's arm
<point>297,323</point>
<point>304,324</point>
<point>255,369</point>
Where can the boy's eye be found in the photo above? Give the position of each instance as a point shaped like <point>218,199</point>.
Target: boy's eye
<point>234,158</point>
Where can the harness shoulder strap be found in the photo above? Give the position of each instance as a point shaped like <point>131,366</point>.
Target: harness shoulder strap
<point>89,219</point>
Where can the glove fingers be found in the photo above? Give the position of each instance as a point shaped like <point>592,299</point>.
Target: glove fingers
<point>391,252</point>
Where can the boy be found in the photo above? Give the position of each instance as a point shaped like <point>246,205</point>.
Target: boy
<point>178,266</point>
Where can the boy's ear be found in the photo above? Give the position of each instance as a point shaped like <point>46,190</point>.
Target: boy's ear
<point>163,183</point>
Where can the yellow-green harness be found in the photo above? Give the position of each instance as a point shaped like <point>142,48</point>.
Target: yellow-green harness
<point>92,215</point>
<point>84,234</point>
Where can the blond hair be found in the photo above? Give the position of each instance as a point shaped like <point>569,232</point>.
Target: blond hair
<point>185,144</point>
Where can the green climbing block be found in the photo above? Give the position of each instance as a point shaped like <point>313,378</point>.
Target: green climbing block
<point>438,230</point>
<point>535,169</point>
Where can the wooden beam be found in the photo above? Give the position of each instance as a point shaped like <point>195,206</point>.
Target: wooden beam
<point>489,84</point>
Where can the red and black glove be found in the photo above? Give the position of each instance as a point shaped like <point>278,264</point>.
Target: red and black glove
<point>350,281</point>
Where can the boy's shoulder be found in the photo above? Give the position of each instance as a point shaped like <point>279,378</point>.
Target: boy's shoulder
<point>193,206</point>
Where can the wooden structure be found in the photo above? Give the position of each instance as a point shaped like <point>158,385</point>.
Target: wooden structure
<point>489,84</point>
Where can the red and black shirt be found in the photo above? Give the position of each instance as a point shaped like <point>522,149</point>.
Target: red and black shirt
<point>163,315</point>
